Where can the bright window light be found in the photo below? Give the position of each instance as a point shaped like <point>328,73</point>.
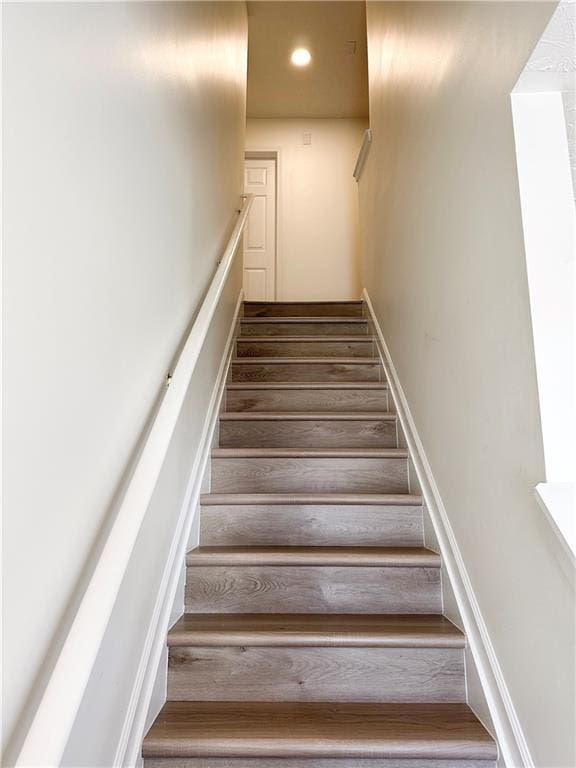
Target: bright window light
<point>301,57</point>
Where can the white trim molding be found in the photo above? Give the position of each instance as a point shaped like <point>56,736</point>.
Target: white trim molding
<point>511,740</point>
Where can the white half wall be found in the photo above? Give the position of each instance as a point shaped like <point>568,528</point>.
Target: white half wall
<point>445,267</point>
<point>124,134</point>
<point>317,236</point>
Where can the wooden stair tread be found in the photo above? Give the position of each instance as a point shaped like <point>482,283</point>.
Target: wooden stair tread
<point>304,319</point>
<point>253,729</point>
<point>307,416</point>
<point>306,360</point>
<point>310,453</point>
<point>307,385</point>
<point>366,557</point>
<point>316,630</point>
<point>306,339</point>
<point>385,499</point>
<point>256,303</point>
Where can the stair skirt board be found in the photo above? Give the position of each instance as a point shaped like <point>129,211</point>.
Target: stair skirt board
<point>313,634</point>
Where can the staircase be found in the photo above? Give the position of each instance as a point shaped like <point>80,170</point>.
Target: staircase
<point>313,632</point>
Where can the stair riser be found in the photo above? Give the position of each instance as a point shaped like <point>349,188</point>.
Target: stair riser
<point>303,329</point>
<point>303,309</point>
<point>312,589</point>
<point>311,525</point>
<point>305,372</point>
<point>317,400</point>
<point>309,475</point>
<point>432,675</point>
<point>308,433</point>
<point>276,348</point>
<point>295,762</point>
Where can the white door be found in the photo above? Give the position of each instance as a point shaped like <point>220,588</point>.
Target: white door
<point>260,231</point>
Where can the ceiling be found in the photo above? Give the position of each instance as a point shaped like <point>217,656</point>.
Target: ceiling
<point>335,84</point>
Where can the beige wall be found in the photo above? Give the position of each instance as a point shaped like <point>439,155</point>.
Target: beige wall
<point>444,265</point>
<point>123,165</point>
<point>318,241</point>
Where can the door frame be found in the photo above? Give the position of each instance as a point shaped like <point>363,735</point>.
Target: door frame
<point>272,153</point>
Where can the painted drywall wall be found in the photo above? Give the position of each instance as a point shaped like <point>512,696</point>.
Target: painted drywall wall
<point>107,698</point>
<point>123,164</point>
<point>444,264</point>
<point>317,237</point>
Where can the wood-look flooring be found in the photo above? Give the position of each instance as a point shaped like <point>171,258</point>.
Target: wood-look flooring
<point>290,326</point>
<point>313,634</point>
<point>287,729</point>
<point>305,369</point>
<point>304,309</point>
<point>316,630</point>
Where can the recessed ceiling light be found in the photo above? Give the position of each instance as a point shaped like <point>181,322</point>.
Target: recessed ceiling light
<point>301,57</point>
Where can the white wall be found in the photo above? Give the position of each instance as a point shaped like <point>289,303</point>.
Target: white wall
<point>318,239</point>
<point>124,140</point>
<point>445,267</point>
<point>105,711</point>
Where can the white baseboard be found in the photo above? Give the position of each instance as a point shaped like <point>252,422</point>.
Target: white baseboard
<point>130,742</point>
<point>511,740</point>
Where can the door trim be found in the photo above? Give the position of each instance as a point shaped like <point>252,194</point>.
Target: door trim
<point>272,153</point>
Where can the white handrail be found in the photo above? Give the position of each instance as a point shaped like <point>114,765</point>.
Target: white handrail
<point>363,154</point>
<point>50,730</point>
